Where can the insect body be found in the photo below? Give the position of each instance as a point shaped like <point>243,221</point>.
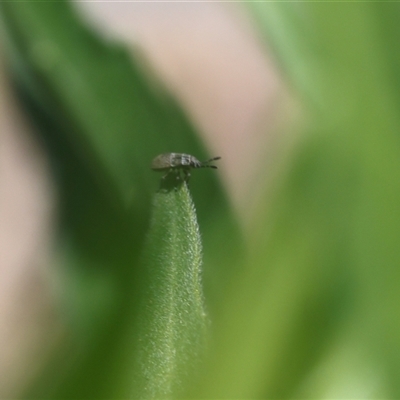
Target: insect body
<point>179,162</point>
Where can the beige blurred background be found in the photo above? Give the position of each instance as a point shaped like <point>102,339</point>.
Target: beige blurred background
<point>209,56</point>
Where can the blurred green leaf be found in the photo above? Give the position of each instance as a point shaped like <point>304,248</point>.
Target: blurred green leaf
<point>324,264</point>
<point>103,122</point>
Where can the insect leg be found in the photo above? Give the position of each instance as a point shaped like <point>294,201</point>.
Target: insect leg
<point>167,173</point>
<point>186,172</point>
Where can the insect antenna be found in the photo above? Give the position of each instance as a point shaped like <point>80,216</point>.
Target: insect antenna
<point>205,164</point>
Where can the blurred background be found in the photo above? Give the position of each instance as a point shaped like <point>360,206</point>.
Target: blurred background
<point>300,224</point>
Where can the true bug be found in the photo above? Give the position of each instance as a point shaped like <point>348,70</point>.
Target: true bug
<point>180,162</point>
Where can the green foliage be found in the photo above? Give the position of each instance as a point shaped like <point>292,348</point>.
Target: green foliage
<point>173,335</point>
<point>323,280</point>
<point>102,123</point>
<point>312,310</point>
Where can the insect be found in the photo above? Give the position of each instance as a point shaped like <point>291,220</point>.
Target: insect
<point>179,162</point>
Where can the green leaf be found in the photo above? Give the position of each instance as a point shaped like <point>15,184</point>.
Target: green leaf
<point>173,334</point>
